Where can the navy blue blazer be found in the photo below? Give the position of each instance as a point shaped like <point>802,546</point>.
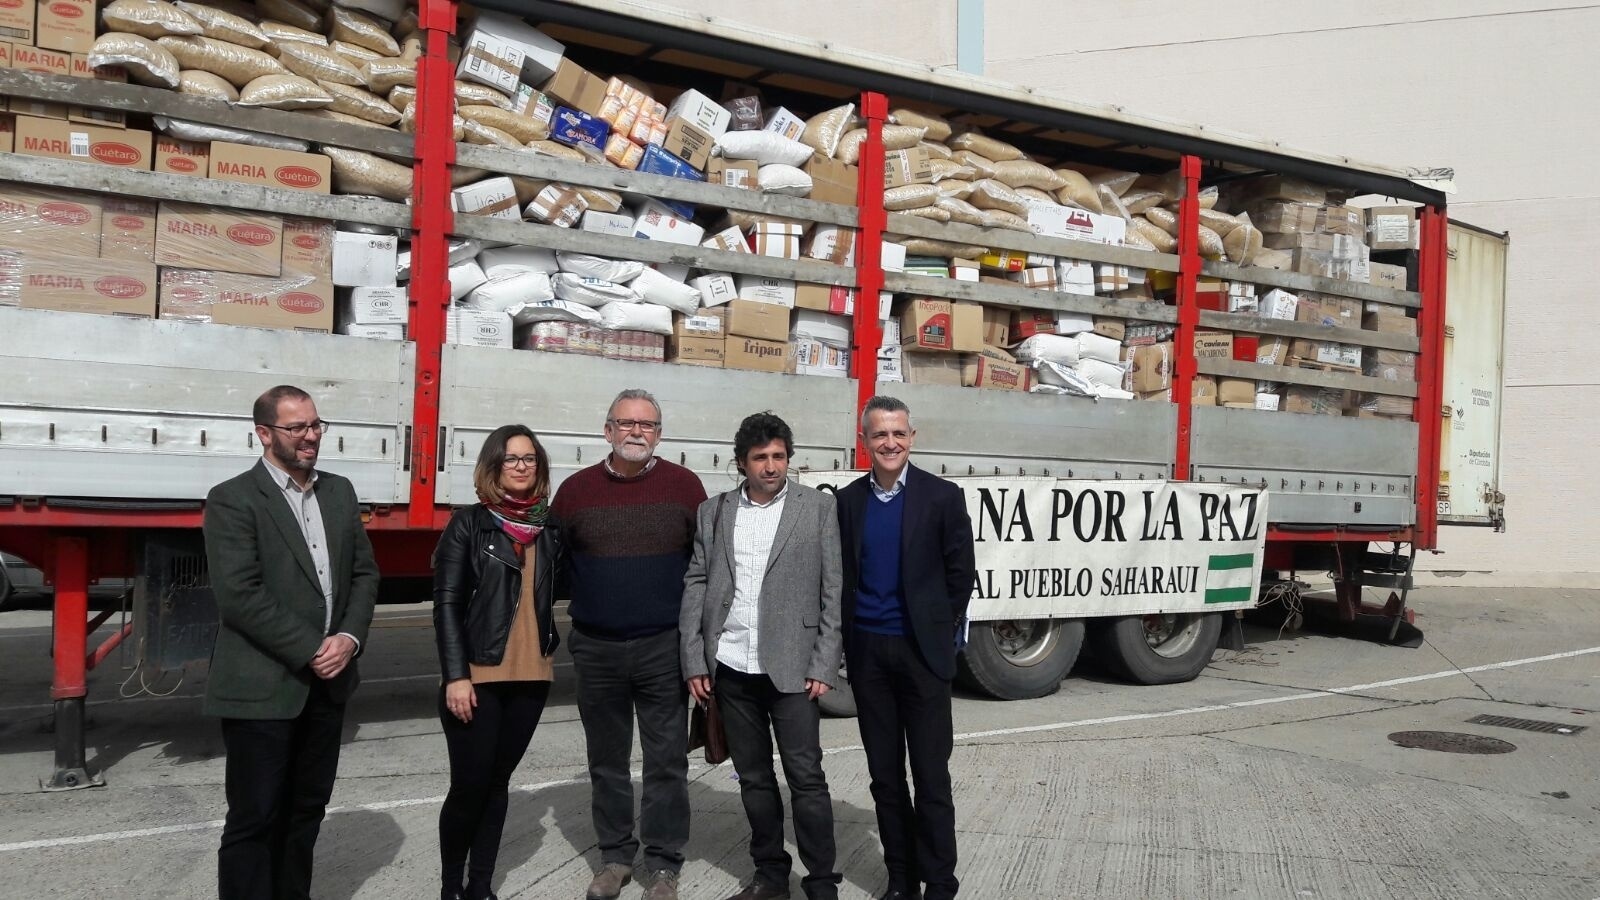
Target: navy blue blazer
<point>937,564</point>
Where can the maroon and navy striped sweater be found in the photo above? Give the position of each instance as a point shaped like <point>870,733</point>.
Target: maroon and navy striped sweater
<point>628,543</point>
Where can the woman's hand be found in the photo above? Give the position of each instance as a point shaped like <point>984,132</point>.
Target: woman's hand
<point>460,699</point>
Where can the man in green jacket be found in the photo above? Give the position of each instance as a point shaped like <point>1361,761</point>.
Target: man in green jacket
<point>295,583</point>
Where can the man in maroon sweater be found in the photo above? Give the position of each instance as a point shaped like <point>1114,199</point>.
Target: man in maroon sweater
<point>628,527</point>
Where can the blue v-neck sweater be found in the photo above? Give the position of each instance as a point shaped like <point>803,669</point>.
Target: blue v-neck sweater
<point>880,605</point>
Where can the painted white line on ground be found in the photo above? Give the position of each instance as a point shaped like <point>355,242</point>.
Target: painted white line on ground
<point>46,707</point>
<point>46,843</point>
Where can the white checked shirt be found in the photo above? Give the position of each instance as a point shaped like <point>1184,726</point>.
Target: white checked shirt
<point>899,485</point>
<point>308,515</point>
<point>755,526</point>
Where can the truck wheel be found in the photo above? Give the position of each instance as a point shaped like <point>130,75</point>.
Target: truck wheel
<point>1157,649</point>
<point>839,703</point>
<point>1020,659</point>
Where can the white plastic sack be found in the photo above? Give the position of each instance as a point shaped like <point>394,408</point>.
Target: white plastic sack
<point>781,179</point>
<point>512,289</point>
<point>1102,373</point>
<point>654,287</point>
<point>626,316</point>
<point>617,271</point>
<point>510,260</point>
<point>594,292</point>
<point>1055,378</point>
<point>765,147</point>
<point>193,131</point>
<point>465,277</point>
<point>552,310</point>
<point>1099,347</point>
<point>1052,347</point>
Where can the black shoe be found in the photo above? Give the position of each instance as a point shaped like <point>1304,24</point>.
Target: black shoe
<point>901,895</point>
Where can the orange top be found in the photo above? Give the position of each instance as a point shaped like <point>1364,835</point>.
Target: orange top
<point>524,659</point>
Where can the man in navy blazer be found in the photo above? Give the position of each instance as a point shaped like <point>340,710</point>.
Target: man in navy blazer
<point>908,574</point>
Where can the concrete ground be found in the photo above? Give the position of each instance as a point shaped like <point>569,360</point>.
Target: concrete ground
<point>1272,775</point>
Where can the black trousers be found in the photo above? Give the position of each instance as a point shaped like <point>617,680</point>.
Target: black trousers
<point>483,755</point>
<point>903,710</point>
<point>753,710</point>
<point>279,778</point>
<point>619,681</point>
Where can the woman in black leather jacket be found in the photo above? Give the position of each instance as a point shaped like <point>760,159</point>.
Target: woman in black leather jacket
<point>494,574</point>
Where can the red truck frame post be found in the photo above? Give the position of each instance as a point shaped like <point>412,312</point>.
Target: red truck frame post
<point>868,332</point>
<point>1185,365</point>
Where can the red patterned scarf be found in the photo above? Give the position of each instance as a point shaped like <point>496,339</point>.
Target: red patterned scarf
<point>521,519</point>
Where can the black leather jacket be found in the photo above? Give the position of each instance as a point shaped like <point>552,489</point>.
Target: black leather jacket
<point>477,581</point>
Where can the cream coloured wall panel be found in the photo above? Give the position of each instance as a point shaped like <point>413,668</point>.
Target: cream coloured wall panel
<point>919,30</point>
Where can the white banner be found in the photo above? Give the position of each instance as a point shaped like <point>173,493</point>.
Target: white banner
<point>1052,548</point>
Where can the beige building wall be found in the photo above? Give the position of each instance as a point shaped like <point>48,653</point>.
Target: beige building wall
<point>1503,91</point>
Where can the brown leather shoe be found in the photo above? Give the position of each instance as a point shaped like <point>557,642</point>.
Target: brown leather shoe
<point>608,882</point>
<point>760,890</point>
<point>664,886</point>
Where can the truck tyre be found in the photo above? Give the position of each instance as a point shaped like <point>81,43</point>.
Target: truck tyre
<point>1020,659</point>
<point>1157,649</point>
<point>839,703</point>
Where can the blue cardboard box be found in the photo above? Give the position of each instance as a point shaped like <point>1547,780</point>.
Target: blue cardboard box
<point>657,161</point>
<point>574,127</point>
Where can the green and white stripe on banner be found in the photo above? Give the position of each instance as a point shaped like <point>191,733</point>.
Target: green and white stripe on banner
<point>1230,577</point>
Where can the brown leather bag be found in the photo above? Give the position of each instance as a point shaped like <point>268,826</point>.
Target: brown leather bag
<point>705,730</point>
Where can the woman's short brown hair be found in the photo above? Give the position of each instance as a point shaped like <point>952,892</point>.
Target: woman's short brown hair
<point>492,457</point>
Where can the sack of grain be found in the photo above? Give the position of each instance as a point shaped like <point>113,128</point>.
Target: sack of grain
<point>148,18</point>
<point>146,61</point>
<point>240,65</point>
<point>284,92</point>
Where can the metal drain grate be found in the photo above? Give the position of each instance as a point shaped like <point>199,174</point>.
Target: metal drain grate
<point>1527,724</point>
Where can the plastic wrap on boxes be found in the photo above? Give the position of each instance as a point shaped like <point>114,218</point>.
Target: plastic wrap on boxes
<point>1051,347</point>
<point>510,260</point>
<point>654,287</point>
<point>598,267</point>
<point>630,316</point>
<point>508,290</point>
<point>592,291</point>
<point>192,131</point>
<point>10,277</point>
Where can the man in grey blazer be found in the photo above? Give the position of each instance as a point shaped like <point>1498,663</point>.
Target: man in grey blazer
<point>761,629</point>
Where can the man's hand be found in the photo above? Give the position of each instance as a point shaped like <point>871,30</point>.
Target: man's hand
<point>700,687</point>
<point>815,688</point>
<point>333,656</point>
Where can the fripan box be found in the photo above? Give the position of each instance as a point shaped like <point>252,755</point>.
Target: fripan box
<point>125,148</point>
<point>89,115</point>
<point>176,157</point>
<point>50,221</point>
<point>286,169</point>
<point>193,236</point>
<point>755,355</point>
<point>128,230</point>
<point>66,25</point>
<point>751,318</point>
<point>298,302</point>
<point>364,260</point>
<point>79,284</point>
<point>308,247</point>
